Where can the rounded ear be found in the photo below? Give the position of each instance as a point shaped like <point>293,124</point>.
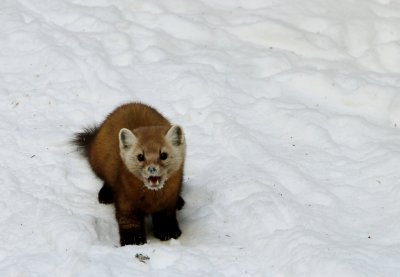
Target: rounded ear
<point>175,135</point>
<point>126,139</point>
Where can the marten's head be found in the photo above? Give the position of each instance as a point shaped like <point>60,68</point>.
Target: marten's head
<point>153,153</point>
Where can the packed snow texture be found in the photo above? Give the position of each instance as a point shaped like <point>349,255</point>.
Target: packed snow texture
<point>291,111</point>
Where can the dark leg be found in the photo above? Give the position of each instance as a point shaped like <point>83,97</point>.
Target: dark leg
<point>165,225</point>
<point>131,226</point>
<point>106,195</point>
<point>180,203</point>
<point>129,236</point>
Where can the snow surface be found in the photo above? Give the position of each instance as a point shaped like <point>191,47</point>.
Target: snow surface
<point>291,111</point>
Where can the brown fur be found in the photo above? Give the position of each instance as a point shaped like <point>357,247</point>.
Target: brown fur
<point>131,198</point>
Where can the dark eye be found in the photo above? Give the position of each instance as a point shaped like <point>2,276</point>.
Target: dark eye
<point>163,156</point>
<point>140,157</point>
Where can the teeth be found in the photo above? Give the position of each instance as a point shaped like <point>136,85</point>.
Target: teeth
<point>154,183</point>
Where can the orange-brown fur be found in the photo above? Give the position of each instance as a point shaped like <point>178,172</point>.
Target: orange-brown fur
<point>132,199</point>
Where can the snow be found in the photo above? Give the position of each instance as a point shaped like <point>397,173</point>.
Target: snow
<point>291,111</point>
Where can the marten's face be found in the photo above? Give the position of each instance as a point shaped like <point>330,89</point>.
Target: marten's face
<point>152,154</point>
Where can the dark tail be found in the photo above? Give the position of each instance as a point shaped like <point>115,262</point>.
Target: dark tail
<point>82,140</point>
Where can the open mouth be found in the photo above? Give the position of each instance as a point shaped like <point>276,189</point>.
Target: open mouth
<point>154,181</point>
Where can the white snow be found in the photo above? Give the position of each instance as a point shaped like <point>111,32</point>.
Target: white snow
<point>291,111</point>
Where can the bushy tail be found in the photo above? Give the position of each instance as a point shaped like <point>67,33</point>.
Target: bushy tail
<point>82,140</point>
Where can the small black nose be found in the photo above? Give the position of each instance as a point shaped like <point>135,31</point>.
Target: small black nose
<point>152,169</point>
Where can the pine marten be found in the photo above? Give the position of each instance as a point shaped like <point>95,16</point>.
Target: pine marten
<point>140,157</point>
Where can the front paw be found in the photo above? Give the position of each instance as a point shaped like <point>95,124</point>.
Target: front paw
<point>129,237</point>
<point>106,195</point>
<point>180,203</point>
<point>167,232</point>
